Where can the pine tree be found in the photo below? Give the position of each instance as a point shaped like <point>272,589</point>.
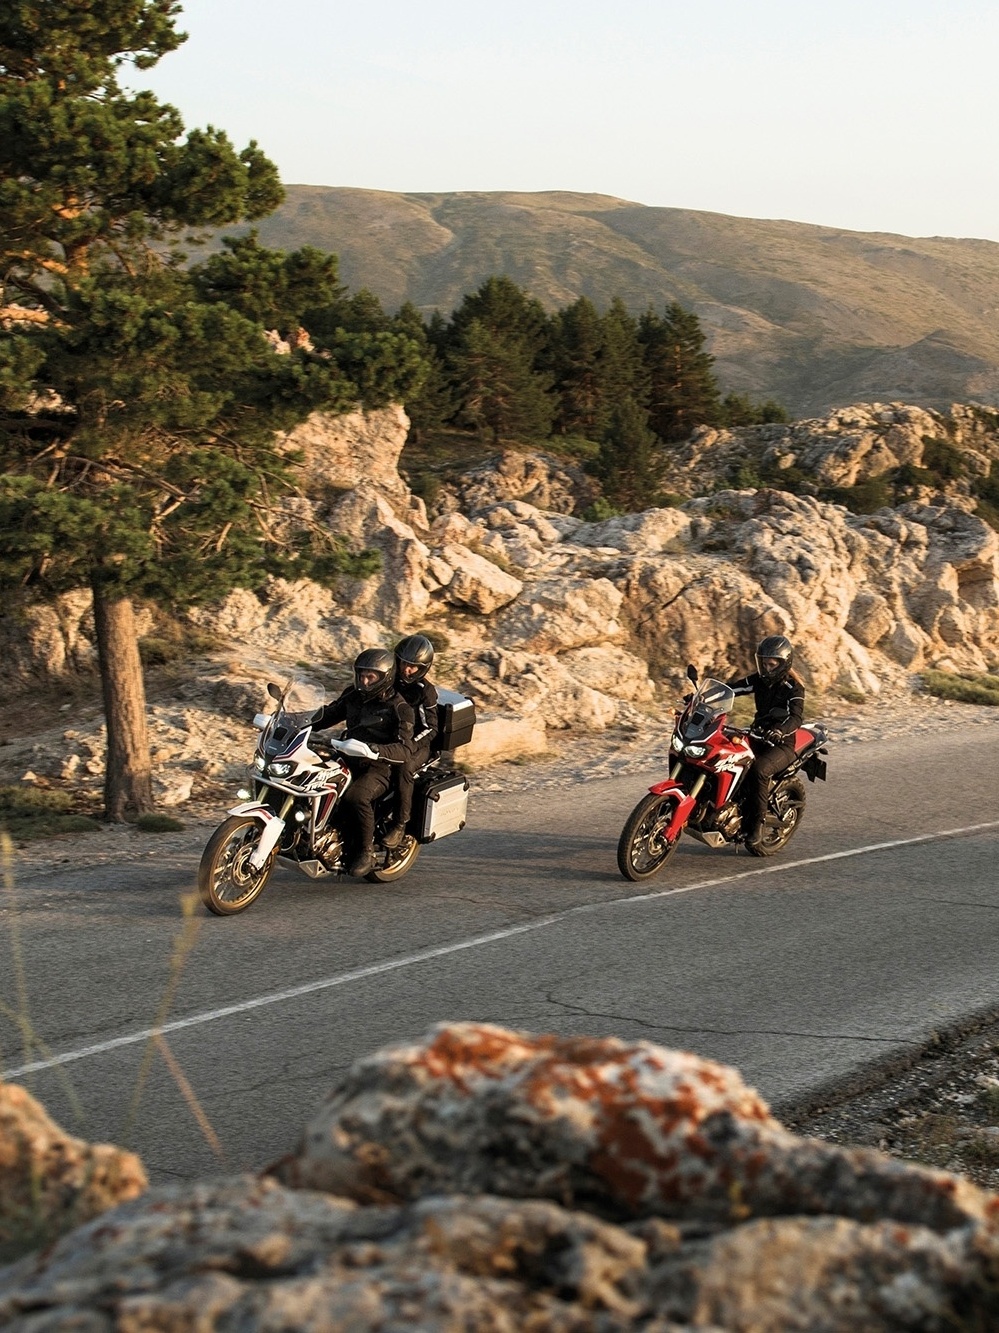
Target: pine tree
<point>630,459</point>
<point>431,403</point>
<point>500,393</point>
<point>623,371</point>
<point>138,397</point>
<point>496,344</point>
<point>683,390</point>
<point>577,365</point>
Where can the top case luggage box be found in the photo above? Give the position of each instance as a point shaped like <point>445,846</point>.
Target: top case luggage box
<point>455,719</point>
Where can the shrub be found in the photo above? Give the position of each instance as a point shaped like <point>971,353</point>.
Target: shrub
<point>943,459</point>
<point>34,801</point>
<point>966,688</point>
<point>864,498</point>
<point>600,510</point>
<point>155,823</point>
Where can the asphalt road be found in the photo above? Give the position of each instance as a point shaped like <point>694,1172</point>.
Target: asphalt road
<point>875,927</point>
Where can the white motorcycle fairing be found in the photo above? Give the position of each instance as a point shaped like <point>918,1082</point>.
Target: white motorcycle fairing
<point>273,828</point>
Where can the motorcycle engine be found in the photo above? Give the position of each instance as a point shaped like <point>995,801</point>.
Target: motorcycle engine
<point>328,846</point>
<point>725,821</point>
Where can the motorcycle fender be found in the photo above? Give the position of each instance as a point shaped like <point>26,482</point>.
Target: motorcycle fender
<point>253,808</point>
<point>684,806</point>
<point>273,828</point>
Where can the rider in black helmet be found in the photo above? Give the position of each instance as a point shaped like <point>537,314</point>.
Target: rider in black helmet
<point>779,695</point>
<point>414,656</point>
<point>374,713</point>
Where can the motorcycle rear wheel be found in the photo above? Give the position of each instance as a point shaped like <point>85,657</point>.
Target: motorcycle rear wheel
<point>397,863</point>
<point>789,800</point>
<point>227,882</point>
<point>642,851</point>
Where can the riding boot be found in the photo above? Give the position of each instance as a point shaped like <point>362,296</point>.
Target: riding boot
<point>363,863</point>
<point>394,836</point>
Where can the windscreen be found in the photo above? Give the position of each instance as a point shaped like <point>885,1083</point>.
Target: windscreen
<point>711,701</point>
<point>301,700</point>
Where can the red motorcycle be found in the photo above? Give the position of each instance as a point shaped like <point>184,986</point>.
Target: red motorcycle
<point>704,791</point>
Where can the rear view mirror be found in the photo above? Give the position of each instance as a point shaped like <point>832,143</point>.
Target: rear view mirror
<point>274,690</point>
<point>692,673</point>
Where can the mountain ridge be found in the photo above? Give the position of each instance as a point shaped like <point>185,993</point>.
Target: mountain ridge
<point>813,315</point>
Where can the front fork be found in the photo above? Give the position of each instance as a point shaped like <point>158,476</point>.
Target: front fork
<point>685,801</point>
<point>274,826</point>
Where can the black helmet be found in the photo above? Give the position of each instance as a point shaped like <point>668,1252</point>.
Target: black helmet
<point>775,647</point>
<point>378,660</point>
<point>416,650</point>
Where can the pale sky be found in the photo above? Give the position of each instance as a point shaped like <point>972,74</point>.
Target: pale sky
<point>872,115</point>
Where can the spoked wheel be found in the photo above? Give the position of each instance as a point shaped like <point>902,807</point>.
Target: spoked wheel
<point>226,880</point>
<point>397,863</point>
<point>643,849</point>
<point>786,807</point>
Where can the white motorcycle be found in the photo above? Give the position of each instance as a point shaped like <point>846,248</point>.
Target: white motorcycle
<point>291,810</point>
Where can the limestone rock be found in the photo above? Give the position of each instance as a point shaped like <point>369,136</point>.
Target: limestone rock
<point>342,452</point>
<point>50,1181</point>
<point>45,642</point>
<point>248,1254</point>
<point>644,533</point>
<point>572,1154</point>
<point>543,481</point>
<point>631,1128</point>
<point>477,583</point>
<point>292,621</point>
<point>397,594</point>
<point>555,614</point>
<point>497,738</point>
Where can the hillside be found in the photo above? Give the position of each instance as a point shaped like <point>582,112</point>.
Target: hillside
<point>814,316</point>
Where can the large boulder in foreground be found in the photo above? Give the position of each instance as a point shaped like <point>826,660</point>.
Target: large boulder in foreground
<point>249,1255</point>
<point>493,1181</point>
<point>50,1182</point>
<point>625,1129</point>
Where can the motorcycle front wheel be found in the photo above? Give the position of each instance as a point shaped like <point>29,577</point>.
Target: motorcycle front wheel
<point>397,863</point>
<point>642,848</point>
<point>227,882</point>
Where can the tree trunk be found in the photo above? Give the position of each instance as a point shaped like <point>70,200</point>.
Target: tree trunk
<point>128,788</point>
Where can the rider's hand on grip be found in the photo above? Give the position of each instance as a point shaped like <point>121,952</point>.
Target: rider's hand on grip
<point>357,749</point>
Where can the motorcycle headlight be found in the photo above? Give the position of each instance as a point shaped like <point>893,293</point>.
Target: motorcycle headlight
<point>281,770</point>
<point>697,751</point>
<point>678,743</point>
<point>259,762</point>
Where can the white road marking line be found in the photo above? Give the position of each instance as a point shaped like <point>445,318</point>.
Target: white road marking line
<point>476,942</point>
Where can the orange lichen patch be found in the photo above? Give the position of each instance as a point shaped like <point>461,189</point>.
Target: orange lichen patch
<point>472,1049</point>
<point>636,1107</point>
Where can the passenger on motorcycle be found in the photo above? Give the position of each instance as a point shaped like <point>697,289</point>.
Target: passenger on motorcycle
<point>375,713</point>
<point>779,695</point>
<point>414,656</point>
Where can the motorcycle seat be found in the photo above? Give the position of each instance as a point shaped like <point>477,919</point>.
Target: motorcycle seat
<point>808,735</point>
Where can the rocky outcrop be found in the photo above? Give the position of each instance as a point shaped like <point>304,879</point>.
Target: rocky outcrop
<point>538,479</point>
<point>550,622</point>
<point>51,1182</point>
<point>624,1129</point>
<point>356,449</point>
<point>491,1180</point>
<point>850,445</point>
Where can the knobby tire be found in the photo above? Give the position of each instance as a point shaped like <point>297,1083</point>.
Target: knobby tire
<point>226,883</point>
<point>641,837</point>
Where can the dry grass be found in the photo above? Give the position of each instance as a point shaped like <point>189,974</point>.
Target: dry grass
<point>21,1234</point>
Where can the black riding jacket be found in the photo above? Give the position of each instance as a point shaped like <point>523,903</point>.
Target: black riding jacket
<point>385,721</point>
<point>421,695</point>
<point>780,705</point>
